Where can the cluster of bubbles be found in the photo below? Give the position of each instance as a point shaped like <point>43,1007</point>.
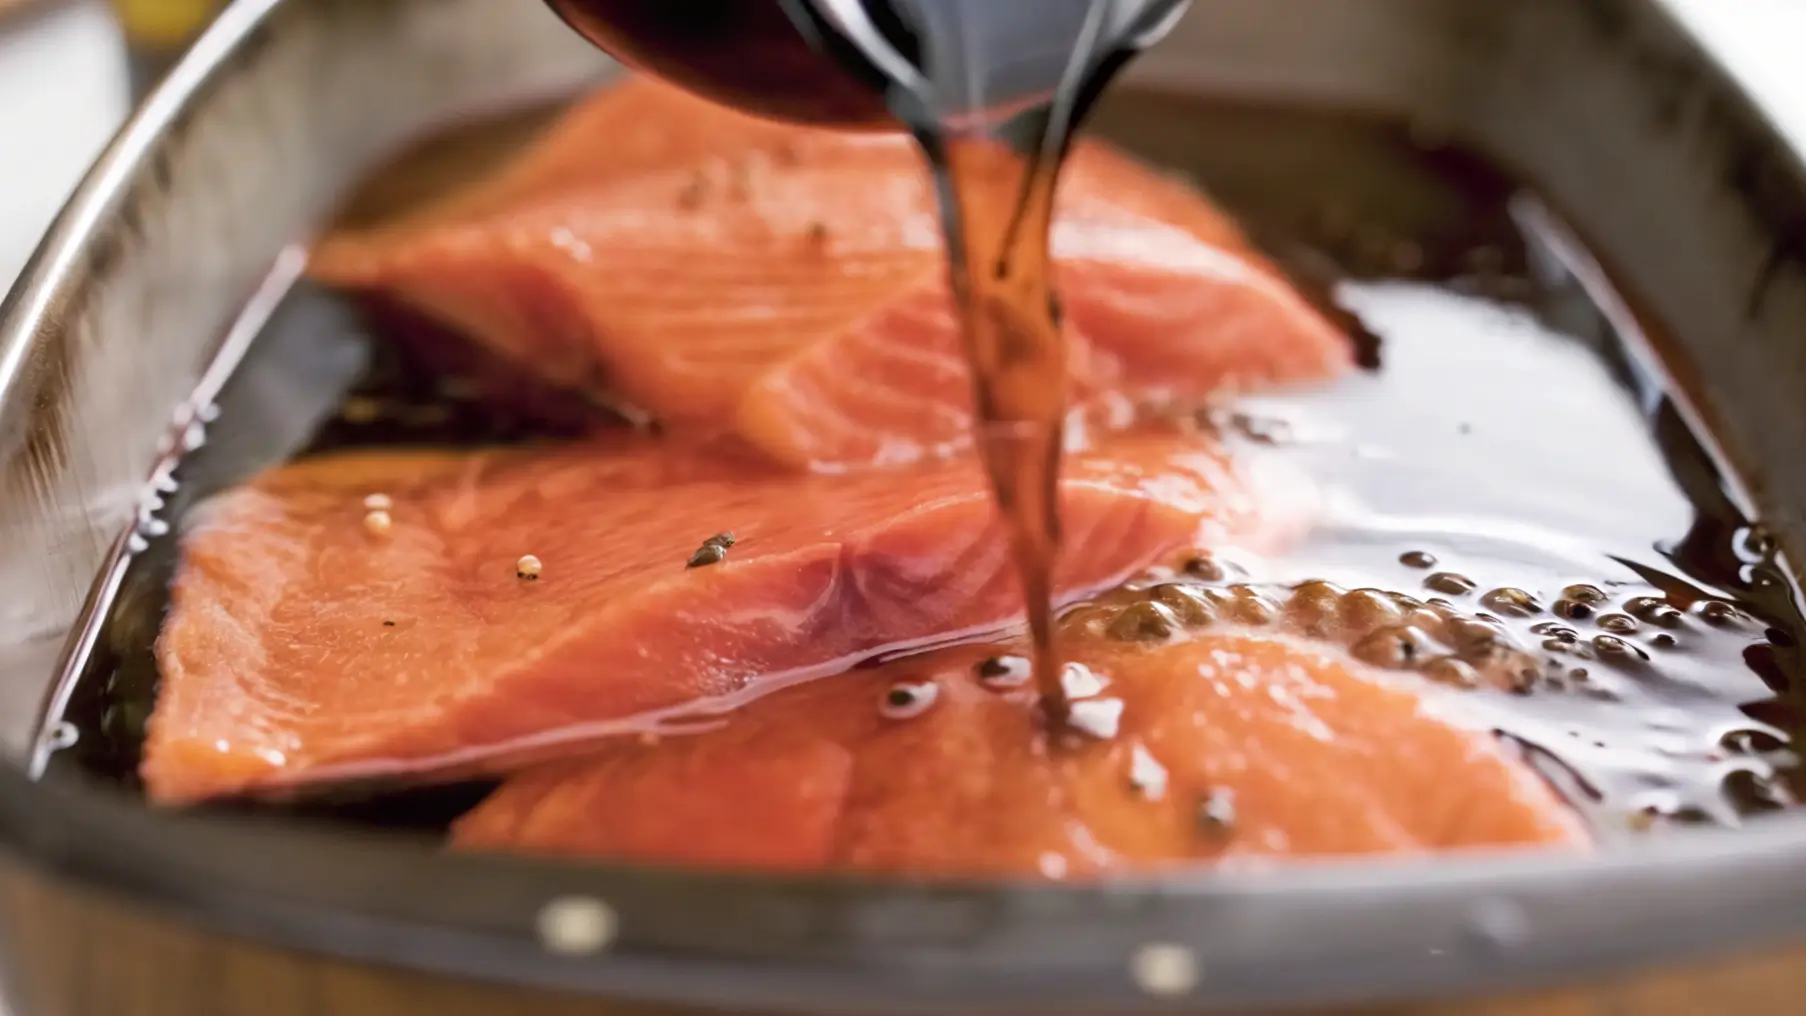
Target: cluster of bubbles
<point>1382,628</point>
<point>1604,672</point>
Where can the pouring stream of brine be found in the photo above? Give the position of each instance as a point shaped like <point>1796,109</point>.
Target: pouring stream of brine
<point>994,90</point>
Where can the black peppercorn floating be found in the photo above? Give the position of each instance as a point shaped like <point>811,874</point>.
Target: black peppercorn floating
<point>713,551</point>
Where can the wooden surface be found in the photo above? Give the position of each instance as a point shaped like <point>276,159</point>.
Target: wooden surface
<point>71,955</point>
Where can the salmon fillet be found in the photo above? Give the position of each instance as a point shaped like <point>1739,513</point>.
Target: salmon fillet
<point>786,284</point>
<point>306,644</point>
<point>1230,747</point>
<point>641,126</point>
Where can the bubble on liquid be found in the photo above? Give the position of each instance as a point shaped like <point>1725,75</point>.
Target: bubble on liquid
<point>1618,624</point>
<point>1315,607</point>
<point>1568,647</point>
<point>1753,543</point>
<point>1426,620</point>
<point>1189,605</point>
<point>1395,647</point>
<point>1450,584</point>
<point>1512,602</point>
<point>1470,634</point>
<point>1653,610</point>
<point>1506,669</point>
<point>1720,613</point>
<point>1206,566</point>
<point>1248,605</point>
<point>1585,655</point>
<point>1451,671</point>
<point>1615,648</point>
<point>1147,621</point>
<point>1573,610</point>
<point>1751,742</point>
<point>1365,610</point>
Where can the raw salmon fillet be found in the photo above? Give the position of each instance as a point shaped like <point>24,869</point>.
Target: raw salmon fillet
<point>1230,747</point>
<point>304,645</point>
<point>729,275</point>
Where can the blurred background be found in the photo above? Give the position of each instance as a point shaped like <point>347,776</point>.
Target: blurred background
<point>70,71</point>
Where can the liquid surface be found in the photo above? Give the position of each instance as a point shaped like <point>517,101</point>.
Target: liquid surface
<point>1512,454</point>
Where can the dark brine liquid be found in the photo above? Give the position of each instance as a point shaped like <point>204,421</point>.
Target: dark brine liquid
<point>998,209</point>
<point>996,168</point>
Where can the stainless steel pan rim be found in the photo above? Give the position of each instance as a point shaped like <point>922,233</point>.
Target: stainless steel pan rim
<point>1338,932</point>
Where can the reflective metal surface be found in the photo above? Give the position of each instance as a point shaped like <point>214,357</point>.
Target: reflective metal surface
<point>109,348</point>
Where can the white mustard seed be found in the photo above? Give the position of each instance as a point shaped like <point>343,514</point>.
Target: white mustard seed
<point>378,502</point>
<point>378,523</point>
<point>528,568</point>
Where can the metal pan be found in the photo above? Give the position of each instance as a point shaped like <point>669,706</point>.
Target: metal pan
<point>172,252</point>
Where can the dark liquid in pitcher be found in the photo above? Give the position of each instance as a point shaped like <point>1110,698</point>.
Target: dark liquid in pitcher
<point>995,171</point>
<point>747,53</point>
